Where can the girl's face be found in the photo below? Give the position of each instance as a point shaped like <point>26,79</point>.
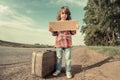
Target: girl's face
<point>63,15</point>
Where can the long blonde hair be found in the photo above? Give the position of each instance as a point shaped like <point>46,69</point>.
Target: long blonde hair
<point>67,11</point>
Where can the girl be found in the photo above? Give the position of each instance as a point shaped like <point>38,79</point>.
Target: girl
<point>63,43</point>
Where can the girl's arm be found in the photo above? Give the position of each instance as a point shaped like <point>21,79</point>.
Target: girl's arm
<point>55,33</point>
<point>72,32</point>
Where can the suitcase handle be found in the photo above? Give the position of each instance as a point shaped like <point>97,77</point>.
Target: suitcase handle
<point>48,50</point>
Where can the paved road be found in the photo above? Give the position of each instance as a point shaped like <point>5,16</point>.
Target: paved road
<point>12,55</point>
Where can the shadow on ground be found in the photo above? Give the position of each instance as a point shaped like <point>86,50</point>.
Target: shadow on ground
<point>75,70</point>
<point>97,64</point>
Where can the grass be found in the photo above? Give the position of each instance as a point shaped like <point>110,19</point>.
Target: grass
<point>113,51</point>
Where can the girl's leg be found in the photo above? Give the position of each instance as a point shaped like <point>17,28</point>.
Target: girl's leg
<point>68,62</point>
<point>67,53</point>
<point>59,54</point>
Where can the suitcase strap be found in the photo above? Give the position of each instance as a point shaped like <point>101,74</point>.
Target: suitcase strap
<point>35,62</point>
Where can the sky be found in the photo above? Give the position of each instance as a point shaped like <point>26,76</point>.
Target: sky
<point>27,21</point>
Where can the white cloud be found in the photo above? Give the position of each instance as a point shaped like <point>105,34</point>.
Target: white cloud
<point>81,3</point>
<point>3,8</point>
<point>15,20</point>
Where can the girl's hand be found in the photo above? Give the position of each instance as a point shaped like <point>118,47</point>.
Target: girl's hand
<point>55,33</point>
<point>73,32</point>
<point>50,29</point>
<point>77,26</point>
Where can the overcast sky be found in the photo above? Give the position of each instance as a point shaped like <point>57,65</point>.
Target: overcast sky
<point>26,21</point>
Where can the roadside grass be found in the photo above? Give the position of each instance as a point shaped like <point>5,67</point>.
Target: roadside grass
<point>112,51</point>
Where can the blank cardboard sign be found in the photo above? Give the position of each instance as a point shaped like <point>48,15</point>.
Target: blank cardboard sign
<point>63,25</point>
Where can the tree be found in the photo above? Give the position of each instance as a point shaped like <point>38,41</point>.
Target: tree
<point>102,19</point>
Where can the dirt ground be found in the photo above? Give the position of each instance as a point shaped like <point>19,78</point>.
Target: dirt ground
<point>86,65</point>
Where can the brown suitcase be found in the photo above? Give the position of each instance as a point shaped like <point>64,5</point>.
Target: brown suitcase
<point>43,63</point>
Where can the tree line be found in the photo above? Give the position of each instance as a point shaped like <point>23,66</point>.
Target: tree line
<point>102,23</point>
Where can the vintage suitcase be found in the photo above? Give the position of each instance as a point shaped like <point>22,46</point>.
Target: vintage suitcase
<point>43,63</point>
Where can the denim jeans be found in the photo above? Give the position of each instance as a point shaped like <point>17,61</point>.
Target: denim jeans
<point>67,54</point>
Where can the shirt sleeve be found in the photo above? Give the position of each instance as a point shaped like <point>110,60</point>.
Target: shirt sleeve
<point>55,33</point>
<point>72,32</point>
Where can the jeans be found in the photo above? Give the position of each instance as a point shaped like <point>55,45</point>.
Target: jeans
<point>67,54</point>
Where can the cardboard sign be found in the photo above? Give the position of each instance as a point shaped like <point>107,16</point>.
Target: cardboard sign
<point>63,25</point>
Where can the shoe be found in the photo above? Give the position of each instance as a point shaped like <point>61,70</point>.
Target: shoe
<point>56,73</point>
<point>68,75</point>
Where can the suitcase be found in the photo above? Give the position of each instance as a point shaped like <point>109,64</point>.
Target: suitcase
<point>43,63</point>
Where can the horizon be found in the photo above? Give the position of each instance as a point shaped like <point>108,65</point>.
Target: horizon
<point>27,21</point>
<point>33,43</point>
